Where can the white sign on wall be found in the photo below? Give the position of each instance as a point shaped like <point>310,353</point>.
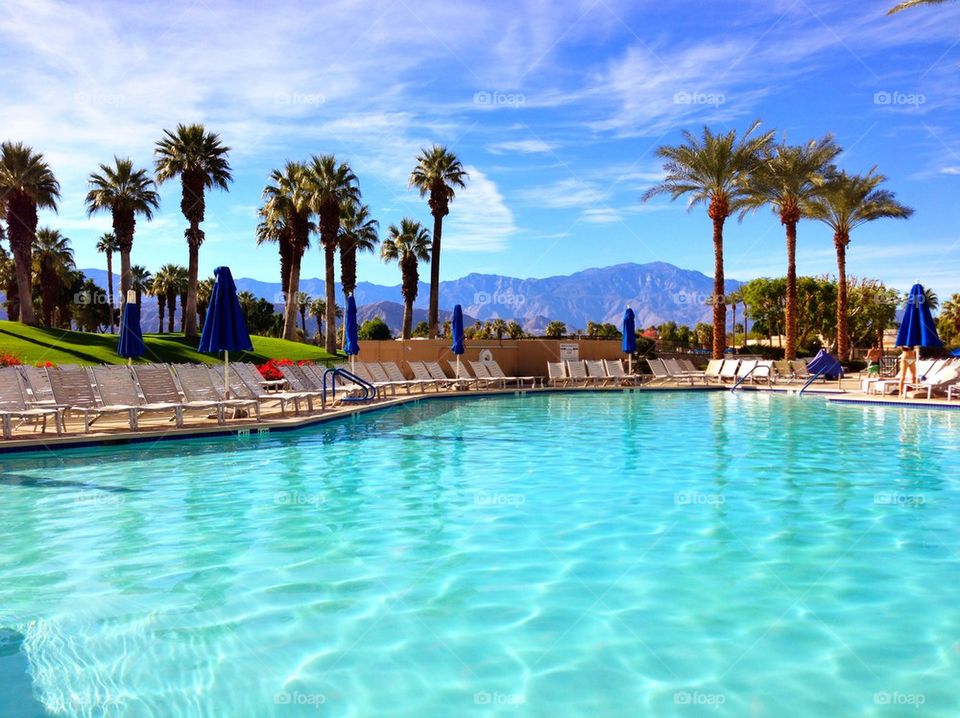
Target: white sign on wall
<point>569,351</point>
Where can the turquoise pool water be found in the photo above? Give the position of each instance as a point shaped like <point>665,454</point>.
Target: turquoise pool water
<point>557,555</point>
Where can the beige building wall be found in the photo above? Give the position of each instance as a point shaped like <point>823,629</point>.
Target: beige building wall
<point>525,357</point>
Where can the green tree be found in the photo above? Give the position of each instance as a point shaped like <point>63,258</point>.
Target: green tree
<point>515,331</point>
<point>703,335</point>
<point>765,301</point>
<point>712,170</point>
<point>108,244</point>
<point>843,204</point>
<point>873,308</point>
<point>374,329</point>
<point>422,330</point>
<point>204,292</point>
<point>90,308</point>
<point>408,245</point>
<point>27,184</point>
<point>787,180</point>
<point>555,330</point>
<point>125,192</point>
<point>438,173</point>
<point>318,310</point>
<point>141,281</point>
<point>199,159</point>
<point>948,323</point>
<point>816,312</point>
<point>497,328</point>
<point>333,184</point>
<point>53,259</point>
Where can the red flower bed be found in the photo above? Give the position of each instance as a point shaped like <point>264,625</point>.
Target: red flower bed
<point>270,370</point>
<point>9,359</point>
<point>42,364</point>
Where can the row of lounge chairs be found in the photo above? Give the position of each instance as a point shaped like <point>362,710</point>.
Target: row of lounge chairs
<point>388,377</point>
<point>36,394</point>
<point>591,372</point>
<point>935,377</point>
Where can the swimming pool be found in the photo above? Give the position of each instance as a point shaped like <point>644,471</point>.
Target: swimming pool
<point>555,555</point>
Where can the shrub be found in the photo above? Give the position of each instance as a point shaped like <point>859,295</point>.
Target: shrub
<point>374,329</point>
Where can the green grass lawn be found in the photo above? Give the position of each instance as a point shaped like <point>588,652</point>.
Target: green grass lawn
<point>34,344</point>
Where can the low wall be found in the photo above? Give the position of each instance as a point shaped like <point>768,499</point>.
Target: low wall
<point>523,357</point>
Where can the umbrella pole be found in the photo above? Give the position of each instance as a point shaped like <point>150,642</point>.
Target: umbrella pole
<point>629,363</point>
<point>226,374</point>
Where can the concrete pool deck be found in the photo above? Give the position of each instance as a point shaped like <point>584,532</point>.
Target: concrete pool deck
<point>152,428</point>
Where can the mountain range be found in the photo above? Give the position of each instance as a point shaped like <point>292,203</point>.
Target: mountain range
<point>657,291</point>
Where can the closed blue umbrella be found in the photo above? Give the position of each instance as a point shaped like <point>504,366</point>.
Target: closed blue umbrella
<point>456,328</point>
<point>130,341</point>
<point>351,346</point>
<point>225,329</point>
<point>917,328</point>
<point>629,337</point>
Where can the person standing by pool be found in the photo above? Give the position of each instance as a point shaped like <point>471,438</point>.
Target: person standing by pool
<point>873,361</point>
<point>908,364</point>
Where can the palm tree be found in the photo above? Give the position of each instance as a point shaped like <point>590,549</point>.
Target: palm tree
<point>844,203</point>
<point>334,184</point>
<point>787,180</point>
<point>318,309</point>
<point>27,184</point>
<point>358,233</point>
<point>52,259</point>
<point>438,173</point>
<point>107,244</point>
<point>304,301</point>
<point>169,282</point>
<point>199,158</point>
<point>514,330</point>
<point>712,170</point>
<point>8,283</point>
<point>273,228</point>
<point>287,209</point>
<point>125,192</point>
<point>407,244</point>
<point>912,3</point>
<point>204,290</point>
<point>140,281</point>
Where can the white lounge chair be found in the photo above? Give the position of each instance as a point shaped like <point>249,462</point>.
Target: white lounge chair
<point>615,369</point>
<point>461,371</point>
<point>156,383</point>
<point>199,384</point>
<point>598,372</point>
<point>577,371</point>
<point>729,370</point>
<point>72,389</point>
<point>557,374</point>
<point>495,372</point>
<point>14,404</point>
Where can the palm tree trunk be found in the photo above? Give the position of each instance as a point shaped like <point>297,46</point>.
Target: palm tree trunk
<point>434,313</point>
<point>125,277</point>
<point>791,309</point>
<point>172,303</point>
<point>189,319</point>
<point>290,307</point>
<point>719,305</point>
<point>161,310</point>
<point>843,336</point>
<point>331,297</point>
<point>113,325</point>
<point>407,318</point>
<point>21,219</point>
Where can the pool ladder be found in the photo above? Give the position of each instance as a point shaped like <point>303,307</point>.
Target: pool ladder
<point>369,390</point>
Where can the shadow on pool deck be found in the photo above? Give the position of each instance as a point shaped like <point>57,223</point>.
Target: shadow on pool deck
<point>16,686</point>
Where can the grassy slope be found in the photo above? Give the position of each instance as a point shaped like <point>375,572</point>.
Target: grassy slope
<point>33,344</point>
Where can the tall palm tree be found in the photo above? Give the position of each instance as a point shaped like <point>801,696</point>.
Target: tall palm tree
<point>334,184</point>
<point>318,310</point>
<point>199,159</point>
<point>788,179</point>
<point>125,192</point>
<point>358,233</point>
<point>141,281</point>
<point>438,173</point>
<point>287,210</point>
<point>273,228</point>
<point>844,203</point>
<point>161,289</point>
<point>304,301</point>
<point>712,170</point>
<point>8,283</point>
<point>27,184</point>
<point>408,244</point>
<point>912,3</point>
<point>53,258</point>
<point>107,244</point>
<point>204,291</point>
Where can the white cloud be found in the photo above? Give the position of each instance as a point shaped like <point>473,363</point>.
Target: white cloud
<point>479,219</point>
<point>601,215</point>
<point>564,194</point>
<point>950,170</point>
<point>521,147</point>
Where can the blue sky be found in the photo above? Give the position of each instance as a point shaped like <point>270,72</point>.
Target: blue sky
<point>555,108</point>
